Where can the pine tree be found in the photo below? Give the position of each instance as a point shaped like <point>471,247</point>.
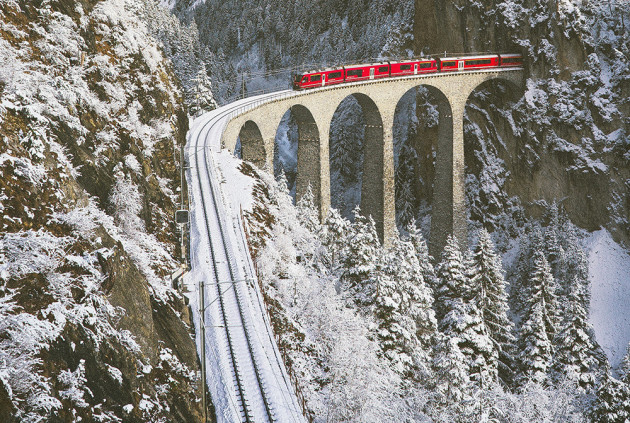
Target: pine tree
<point>612,404</point>
<point>404,306</point>
<point>361,259</point>
<point>461,317</point>
<point>336,232</point>
<point>553,243</point>
<point>487,277</point>
<point>307,211</point>
<point>451,279</point>
<point>203,99</point>
<point>422,252</point>
<point>575,357</point>
<point>535,347</point>
<point>451,370</point>
<point>531,241</point>
<point>543,290</point>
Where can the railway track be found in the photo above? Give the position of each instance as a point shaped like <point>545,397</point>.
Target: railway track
<point>229,305</point>
<point>236,326</point>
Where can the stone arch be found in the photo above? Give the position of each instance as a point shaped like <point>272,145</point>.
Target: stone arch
<point>374,182</point>
<point>432,145</point>
<point>308,152</point>
<point>252,144</point>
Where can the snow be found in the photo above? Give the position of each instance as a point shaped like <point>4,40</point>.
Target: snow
<point>609,274</point>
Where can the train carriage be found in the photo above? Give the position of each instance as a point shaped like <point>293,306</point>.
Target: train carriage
<point>413,67</point>
<point>365,72</point>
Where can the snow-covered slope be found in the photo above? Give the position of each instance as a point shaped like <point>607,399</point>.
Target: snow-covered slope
<point>609,273</point>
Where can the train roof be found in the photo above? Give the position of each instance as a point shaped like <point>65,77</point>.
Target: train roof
<point>362,65</point>
<point>485,56</point>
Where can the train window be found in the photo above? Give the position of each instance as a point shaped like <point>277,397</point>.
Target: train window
<point>355,72</point>
<point>477,62</point>
<point>425,65</point>
<point>316,78</point>
<point>511,59</point>
<point>447,64</point>
<point>405,67</point>
<point>383,69</point>
<point>305,79</point>
<point>334,75</point>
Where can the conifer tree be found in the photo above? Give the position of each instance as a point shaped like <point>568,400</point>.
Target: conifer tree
<point>452,370</point>
<point>307,211</point>
<point>361,259</point>
<point>535,347</point>
<point>202,97</point>
<point>575,357</point>
<point>451,279</point>
<point>487,277</point>
<point>461,317</point>
<point>335,236</point>
<point>531,241</point>
<point>404,306</point>
<point>612,404</point>
<point>422,252</point>
<point>543,290</point>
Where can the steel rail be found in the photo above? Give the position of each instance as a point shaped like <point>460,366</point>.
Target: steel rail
<point>241,389</point>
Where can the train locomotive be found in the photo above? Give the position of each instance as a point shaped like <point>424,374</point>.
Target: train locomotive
<point>393,69</point>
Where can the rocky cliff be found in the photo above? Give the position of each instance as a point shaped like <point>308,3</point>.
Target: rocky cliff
<point>90,115</point>
<point>565,136</point>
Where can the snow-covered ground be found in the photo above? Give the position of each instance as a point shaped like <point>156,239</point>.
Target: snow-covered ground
<point>609,273</point>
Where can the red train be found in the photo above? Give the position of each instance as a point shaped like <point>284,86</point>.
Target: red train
<point>403,68</point>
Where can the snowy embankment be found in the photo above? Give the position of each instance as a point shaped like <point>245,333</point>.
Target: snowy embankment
<point>609,273</point>
<point>210,170</point>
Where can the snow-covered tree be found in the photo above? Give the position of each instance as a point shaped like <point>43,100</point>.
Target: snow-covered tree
<point>452,368</point>
<point>461,317</point>
<point>451,279</point>
<point>575,357</point>
<point>612,404</point>
<point>335,233</point>
<point>540,323</point>
<point>422,252</point>
<point>486,276</point>
<point>308,212</point>
<point>361,258</point>
<point>534,346</point>
<point>202,97</point>
<point>543,290</point>
<point>404,306</point>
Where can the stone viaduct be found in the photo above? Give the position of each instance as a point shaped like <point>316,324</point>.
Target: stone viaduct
<point>314,109</point>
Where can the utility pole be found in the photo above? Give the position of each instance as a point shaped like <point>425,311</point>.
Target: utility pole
<point>243,85</point>
<point>202,318</point>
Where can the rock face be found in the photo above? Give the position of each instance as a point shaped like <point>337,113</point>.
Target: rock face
<point>565,136</point>
<point>90,115</point>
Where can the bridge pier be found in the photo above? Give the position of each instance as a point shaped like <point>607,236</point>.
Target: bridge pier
<point>448,215</point>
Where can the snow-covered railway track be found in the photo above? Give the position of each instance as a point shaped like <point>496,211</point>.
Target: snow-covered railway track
<point>246,378</point>
<point>251,391</point>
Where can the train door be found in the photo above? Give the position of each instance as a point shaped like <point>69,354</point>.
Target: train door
<point>372,73</point>
<point>415,69</point>
<point>460,65</point>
